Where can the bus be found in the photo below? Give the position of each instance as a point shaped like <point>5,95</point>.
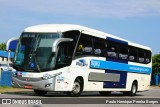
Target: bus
<point>74,59</point>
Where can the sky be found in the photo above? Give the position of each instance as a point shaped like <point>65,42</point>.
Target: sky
<point>135,20</point>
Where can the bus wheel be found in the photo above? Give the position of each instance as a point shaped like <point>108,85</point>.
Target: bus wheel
<point>133,89</point>
<point>105,93</point>
<point>40,92</point>
<point>77,89</point>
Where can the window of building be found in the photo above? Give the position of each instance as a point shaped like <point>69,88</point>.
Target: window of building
<point>11,59</point>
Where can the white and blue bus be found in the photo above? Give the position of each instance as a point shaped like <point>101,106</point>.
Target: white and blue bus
<point>73,59</point>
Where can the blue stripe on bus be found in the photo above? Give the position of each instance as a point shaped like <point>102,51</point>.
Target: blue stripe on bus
<point>117,40</point>
<point>98,64</point>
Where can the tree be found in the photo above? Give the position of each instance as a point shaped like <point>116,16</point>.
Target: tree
<point>156,64</point>
<point>3,46</point>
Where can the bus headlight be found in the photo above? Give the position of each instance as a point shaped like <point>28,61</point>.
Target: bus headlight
<point>48,76</point>
<point>57,74</point>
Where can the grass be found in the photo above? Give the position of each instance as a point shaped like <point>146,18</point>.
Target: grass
<point>5,89</point>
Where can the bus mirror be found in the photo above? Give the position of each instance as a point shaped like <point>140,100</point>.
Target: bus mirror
<point>12,44</point>
<point>58,41</point>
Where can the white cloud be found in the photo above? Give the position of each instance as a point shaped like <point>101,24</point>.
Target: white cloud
<point>92,8</point>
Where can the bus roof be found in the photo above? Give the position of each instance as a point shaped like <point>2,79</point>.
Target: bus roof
<point>52,28</point>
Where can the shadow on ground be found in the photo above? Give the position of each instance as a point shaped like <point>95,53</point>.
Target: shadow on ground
<point>62,94</point>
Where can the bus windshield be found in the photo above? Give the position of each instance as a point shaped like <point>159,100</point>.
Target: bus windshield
<point>34,52</point>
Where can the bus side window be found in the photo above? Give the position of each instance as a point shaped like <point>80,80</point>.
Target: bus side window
<point>132,54</point>
<point>99,47</point>
<point>85,46</point>
<point>141,57</point>
<point>88,50</point>
<point>112,50</point>
<point>80,49</point>
<point>148,57</point>
<point>123,52</point>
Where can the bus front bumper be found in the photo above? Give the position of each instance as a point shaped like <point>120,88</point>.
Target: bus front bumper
<point>34,83</point>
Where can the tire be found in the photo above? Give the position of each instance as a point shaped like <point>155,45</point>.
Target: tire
<point>40,92</point>
<point>105,93</point>
<point>77,89</point>
<point>133,90</point>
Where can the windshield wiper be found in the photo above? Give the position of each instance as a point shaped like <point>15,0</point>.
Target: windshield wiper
<point>33,54</point>
<point>35,59</point>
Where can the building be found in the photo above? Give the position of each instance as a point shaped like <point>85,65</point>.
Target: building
<point>4,57</point>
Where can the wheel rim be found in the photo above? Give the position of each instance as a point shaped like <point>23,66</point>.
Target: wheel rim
<point>76,88</point>
<point>134,89</point>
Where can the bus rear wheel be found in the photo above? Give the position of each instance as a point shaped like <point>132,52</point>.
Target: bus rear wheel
<point>40,92</point>
<point>77,89</point>
<point>133,90</point>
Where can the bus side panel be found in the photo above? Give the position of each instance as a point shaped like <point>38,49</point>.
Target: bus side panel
<point>142,79</point>
<point>120,84</point>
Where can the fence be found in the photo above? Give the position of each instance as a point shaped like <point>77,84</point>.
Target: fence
<point>5,78</point>
<point>155,80</point>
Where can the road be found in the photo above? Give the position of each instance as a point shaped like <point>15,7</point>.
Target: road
<point>87,99</point>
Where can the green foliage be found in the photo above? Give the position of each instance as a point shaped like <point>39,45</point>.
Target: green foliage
<point>156,64</point>
<point>4,87</point>
<point>3,46</point>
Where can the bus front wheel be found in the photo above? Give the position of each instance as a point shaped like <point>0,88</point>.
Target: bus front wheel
<point>40,92</point>
<point>77,89</point>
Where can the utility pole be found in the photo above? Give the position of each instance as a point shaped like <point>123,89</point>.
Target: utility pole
<point>8,57</point>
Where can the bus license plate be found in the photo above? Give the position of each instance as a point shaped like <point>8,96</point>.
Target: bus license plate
<point>28,86</point>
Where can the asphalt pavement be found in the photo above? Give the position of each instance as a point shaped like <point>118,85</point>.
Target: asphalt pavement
<point>87,99</point>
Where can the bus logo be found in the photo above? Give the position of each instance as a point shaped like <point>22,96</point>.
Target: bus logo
<point>81,63</point>
<point>95,64</point>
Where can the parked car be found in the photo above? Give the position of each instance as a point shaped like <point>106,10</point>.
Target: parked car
<point>5,67</point>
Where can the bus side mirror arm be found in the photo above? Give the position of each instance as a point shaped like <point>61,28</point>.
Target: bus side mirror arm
<point>58,41</point>
<point>12,43</point>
